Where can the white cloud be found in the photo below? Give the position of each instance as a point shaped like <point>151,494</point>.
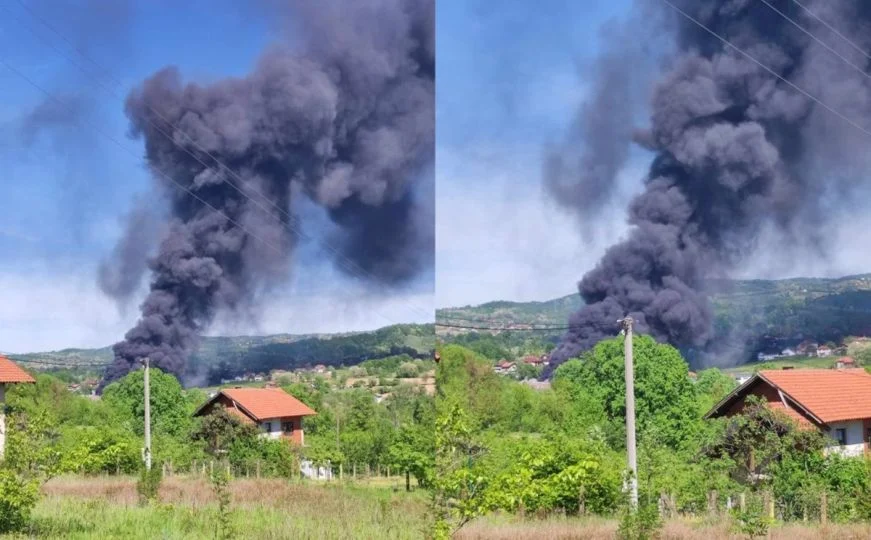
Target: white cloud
<point>499,236</point>
<point>43,310</point>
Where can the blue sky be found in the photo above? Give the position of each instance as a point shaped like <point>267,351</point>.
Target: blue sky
<point>64,192</point>
<point>509,81</point>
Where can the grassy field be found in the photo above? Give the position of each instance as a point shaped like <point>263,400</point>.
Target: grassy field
<point>510,528</point>
<point>91,508</point>
<point>797,362</point>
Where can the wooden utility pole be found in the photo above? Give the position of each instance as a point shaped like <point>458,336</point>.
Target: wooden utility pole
<point>630,413</point>
<point>146,454</point>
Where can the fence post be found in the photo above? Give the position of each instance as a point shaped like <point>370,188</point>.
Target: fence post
<point>771,506</point>
<point>355,471</point>
<point>212,468</point>
<point>742,501</point>
<point>582,504</point>
<point>258,469</point>
<point>824,508</point>
<point>340,471</point>
<point>712,502</point>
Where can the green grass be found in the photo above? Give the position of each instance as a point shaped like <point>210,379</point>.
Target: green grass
<point>797,362</point>
<point>81,508</point>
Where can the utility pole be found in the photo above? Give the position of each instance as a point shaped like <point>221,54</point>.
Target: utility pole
<point>147,451</point>
<point>630,413</point>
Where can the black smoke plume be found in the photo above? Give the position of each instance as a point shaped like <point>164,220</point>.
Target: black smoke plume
<point>347,121</point>
<point>738,153</point>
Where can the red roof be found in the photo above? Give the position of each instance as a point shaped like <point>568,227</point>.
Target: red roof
<point>846,360</point>
<point>11,373</point>
<point>263,403</point>
<point>830,395</point>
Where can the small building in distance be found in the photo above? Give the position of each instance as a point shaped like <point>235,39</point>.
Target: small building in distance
<point>504,366</point>
<point>835,401</point>
<point>10,373</point>
<point>823,351</point>
<point>845,362</point>
<point>275,412</point>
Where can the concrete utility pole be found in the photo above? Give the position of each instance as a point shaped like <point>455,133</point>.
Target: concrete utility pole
<point>630,413</point>
<point>147,451</point>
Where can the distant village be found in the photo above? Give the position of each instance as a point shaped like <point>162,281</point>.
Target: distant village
<point>506,367</point>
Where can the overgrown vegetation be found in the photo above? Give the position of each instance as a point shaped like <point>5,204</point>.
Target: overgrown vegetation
<point>504,447</point>
<point>53,431</point>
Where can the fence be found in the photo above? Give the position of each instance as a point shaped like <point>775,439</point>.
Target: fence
<point>812,506</point>
<point>300,468</point>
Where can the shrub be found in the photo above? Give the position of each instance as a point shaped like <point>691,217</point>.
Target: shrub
<point>18,496</point>
<point>643,524</point>
<point>221,487</point>
<point>148,485</point>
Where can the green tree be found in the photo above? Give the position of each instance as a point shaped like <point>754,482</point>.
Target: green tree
<point>665,398</point>
<point>219,430</point>
<point>170,411</point>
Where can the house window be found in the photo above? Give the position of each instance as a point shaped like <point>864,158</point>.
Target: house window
<point>841,436</point>
<point>288,427</point>
<point>267,427</point>
<point>868,435</point>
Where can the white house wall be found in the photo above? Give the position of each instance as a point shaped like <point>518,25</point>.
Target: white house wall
<point>275,432</point>
<point>855,439</point>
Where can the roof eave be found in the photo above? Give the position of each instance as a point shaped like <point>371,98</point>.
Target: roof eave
<point>730,396</point>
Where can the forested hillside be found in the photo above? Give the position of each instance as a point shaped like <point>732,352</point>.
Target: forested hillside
<point>227,357</point>
<point>750,316</point>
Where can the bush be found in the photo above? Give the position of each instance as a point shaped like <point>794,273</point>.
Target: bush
<point>18,496</point>
<point>644,524</point>
<point>148,485</point>
<point>221,488</point>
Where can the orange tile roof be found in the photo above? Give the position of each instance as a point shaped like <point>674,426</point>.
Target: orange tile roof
<point>263,403</point>
<point>832,395</point>
<point>792,413</point>
<point>11,373</point>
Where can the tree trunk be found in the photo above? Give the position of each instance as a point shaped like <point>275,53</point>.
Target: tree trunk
<point>407,481</point>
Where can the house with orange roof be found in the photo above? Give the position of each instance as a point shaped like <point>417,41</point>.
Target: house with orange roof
<point>845,362</point>
<point>10,373</point>
<point>835,401</point>
<point>276,413</point>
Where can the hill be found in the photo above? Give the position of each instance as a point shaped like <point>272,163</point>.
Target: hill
<point>227,357</point>
<point>750,316</point>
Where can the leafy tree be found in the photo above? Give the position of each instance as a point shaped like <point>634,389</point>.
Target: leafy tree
<point>712,385</point>
<point>219,430</point>
<point>759,438</point>
<point>664,395</point>
<point>170,411</point>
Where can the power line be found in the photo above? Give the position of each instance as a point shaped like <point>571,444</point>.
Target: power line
<point>503,328</point>
<point>766,68</point>
<point>818,40</point>
<point>349,264</point>
<point>832,29</point>
<point>62,364</point>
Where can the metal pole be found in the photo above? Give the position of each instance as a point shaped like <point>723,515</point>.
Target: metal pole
<point>147,452</point>
<point>630,413</point>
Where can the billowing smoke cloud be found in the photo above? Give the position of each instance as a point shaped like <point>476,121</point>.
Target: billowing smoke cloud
<point>348,122</point>
<point>738,152</point>
<point>121,275</point>
<point>581,173</point>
